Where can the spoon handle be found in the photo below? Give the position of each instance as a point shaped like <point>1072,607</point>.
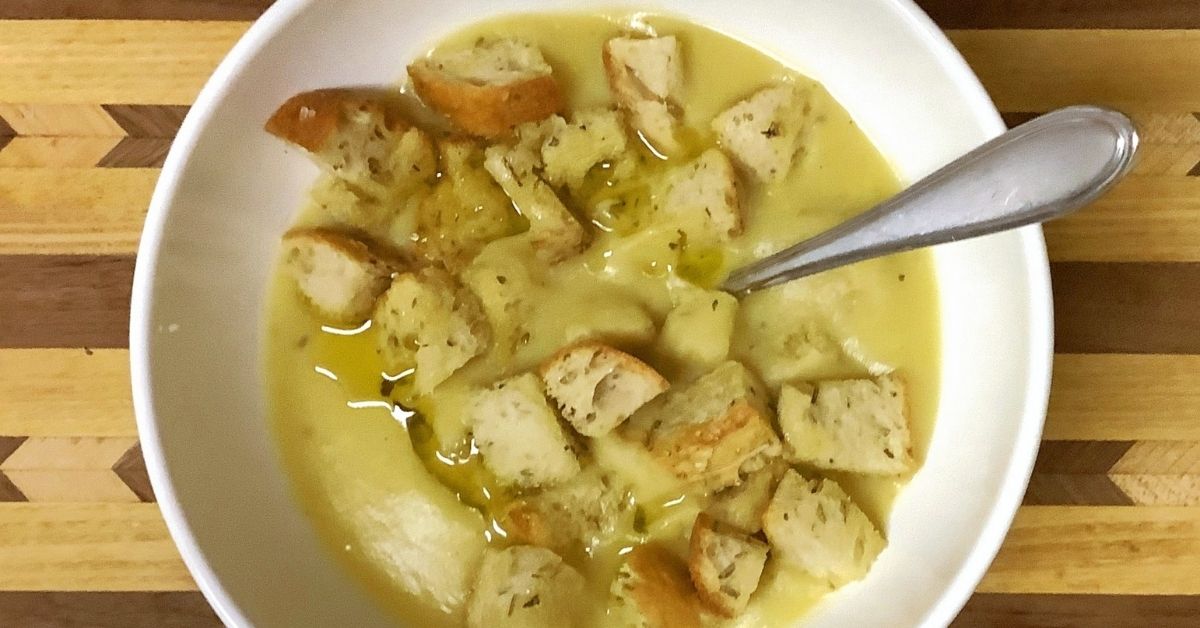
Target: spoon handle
<point>1040,170</point>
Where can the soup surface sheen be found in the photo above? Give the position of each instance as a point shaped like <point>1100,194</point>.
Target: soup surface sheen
<point>398,494</point>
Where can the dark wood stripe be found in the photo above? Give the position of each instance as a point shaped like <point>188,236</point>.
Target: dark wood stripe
<point>1012,610</point>
<point>9,444</point>
<point>148,120</point>
<point>137,152</point>
<point>1063,13</point>
<point>65,301</point>
<point>9,492</point>
<point>1080,456</point>
<point>77,301</point>
<point>1070,489</point>
<point>5,129</point>
<point>131,468</point>
<point>1126,307</point>
<point>106,610</point>
<point>1017,118</point>
<point>132,9</point>
<point>4,140</point>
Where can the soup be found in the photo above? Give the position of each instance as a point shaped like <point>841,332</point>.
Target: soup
<point>395,479</point>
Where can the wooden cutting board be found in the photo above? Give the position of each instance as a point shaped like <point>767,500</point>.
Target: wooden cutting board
<point>91,93</point>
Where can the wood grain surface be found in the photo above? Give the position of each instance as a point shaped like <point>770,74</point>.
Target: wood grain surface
<point>92,93</point>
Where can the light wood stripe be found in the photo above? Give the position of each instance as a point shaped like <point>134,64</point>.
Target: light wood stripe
<point>1051,549</point>
<point>1094,549</point>
<point>87,547</point>
<point>65,393</point>
<point>1125,397</point>
<point>88,210</point>
<point>128,62</point>
<point>66,210</point>
<point>1145,218</point>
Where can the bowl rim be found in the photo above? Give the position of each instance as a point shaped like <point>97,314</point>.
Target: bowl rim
<point>1016,473</point>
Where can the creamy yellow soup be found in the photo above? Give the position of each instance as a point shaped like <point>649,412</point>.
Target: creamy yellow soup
<point>395,487</point>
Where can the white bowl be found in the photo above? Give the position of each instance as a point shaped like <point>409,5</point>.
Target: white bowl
<point>226,194</point>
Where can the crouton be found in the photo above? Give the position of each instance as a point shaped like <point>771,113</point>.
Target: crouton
<point>467,209</point>
<point>765,132</point>
<point>490,88</point>
<point>597,387</point>
<point>725,566</point>
<point>814,525</point>
<point>855,425</point>
<point>428,321</point>
<point>340,276</point>
<point>742,506</point>
<point>700,327</point>
<point>554,231</point>
<point>519,436</point>
<point>711,429</point>
<point>524,587</point>
<point>645,77</point>
<point>572,517</point>
<point>652,590</point>
<point>701,199</point>
<point>593,136</point>
<point>361,136</point>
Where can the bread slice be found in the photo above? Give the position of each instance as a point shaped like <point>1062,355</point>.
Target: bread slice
<point>339,275</point>
<point>645,76</point>
<point>519,436</point>
<point>553,230</point>
<point>429,322</point>
<point>524,587</point>
<point>699,329</point>
<point>597,387</point>
<point>814,525</point>
<point>653,590</point>
<point>725,566</point>
<point>490,88</point>
<point>701,198</point>
<point>572,517</point>
<point>711,429</point>
<point>467,209</point>
<point>855,425</point>
<point>765,132</point>
<point>361,136</point>
<point>591,137</point>
<point>742,506</point>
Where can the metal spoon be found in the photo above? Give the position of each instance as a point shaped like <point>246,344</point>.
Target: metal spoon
<point>1041,170</point>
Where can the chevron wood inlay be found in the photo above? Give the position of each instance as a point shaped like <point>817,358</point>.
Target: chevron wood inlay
<point>1116,473</point>
<point>77,469</point>
<point>106,136</point>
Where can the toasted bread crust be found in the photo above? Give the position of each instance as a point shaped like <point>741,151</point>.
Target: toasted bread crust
<point>662,590</point>
<point>311,119</point>
<point>486,110</point>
